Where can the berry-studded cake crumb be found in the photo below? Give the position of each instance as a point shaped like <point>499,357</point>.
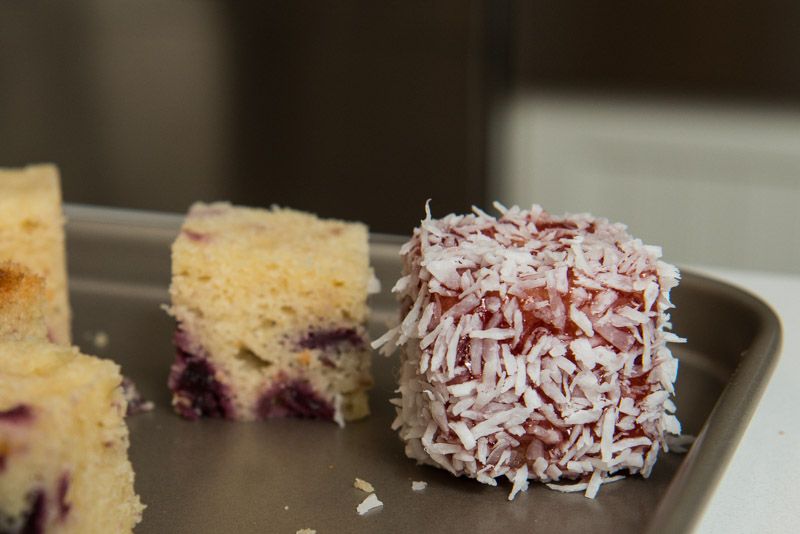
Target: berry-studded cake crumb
<point>271,311</point>
<point>63,443</point>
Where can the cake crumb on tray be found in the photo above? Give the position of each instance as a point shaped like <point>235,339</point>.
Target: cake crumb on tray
<point>363,485</point>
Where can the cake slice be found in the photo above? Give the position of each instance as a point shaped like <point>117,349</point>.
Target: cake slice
<point>22,317</point>
<point>32,234</point>
<point>21,304</point>
<point>271,310</point>
<point>63,443</point>
<point>534,346</point>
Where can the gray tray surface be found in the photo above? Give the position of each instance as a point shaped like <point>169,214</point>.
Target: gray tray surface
<point>279,476</point>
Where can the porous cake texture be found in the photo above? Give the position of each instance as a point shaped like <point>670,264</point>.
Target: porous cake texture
<point>63,443</point>
<point>21,304</point>
<point>271,310</point>
<point>32,234</point>
<point>534,347</point>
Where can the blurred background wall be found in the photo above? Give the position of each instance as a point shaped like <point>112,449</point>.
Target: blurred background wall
<point>680,118</point>
<point>354,109</point>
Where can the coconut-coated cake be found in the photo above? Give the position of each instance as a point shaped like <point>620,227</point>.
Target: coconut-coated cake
<point>534,346</point>
<point>63,443</point>
<point>271,308</point>
<point>32,234</point>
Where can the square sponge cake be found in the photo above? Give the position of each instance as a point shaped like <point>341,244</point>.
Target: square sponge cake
<point>63,443</point>
<point>271,310</point>
<point>32,234</point>
<point>534,347</point>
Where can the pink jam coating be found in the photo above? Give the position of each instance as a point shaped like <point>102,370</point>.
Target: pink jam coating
<point>534,346</point>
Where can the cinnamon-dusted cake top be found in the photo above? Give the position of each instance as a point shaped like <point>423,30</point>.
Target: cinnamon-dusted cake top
<point>18,282</point>
<point>21,303</point>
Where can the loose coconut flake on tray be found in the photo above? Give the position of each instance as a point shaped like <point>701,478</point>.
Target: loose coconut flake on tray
<point>370,503</point>
<point>534,347</point>
<point>418,485</point>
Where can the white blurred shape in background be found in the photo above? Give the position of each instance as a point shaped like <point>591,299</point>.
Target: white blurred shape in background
<point>714,185</point>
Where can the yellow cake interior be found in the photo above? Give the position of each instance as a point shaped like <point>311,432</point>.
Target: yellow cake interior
<point>65,440</point>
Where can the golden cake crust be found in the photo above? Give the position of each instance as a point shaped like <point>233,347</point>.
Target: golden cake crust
<point>21,303</point>
<point>32,234</point>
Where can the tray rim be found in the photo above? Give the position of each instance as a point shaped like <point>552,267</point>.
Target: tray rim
<point>693,484</point>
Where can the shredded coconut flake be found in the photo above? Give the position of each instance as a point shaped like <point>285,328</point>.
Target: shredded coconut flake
<point>581,486</point>
<point>536,329</point>
<point>493,333</point>
<point>520,482</point>
<point>370,503</point>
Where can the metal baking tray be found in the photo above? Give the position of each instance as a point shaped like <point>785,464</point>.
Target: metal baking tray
<point>215,476</point>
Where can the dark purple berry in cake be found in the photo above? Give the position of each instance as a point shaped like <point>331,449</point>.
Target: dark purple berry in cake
<point>33,519</point>
<point>293,398</point>
<point>21,413</point>
<point>197,237</point>
<point>327,362</point>
<point>323,339</point>
<point>196,391</point>
<point>63,488</point>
